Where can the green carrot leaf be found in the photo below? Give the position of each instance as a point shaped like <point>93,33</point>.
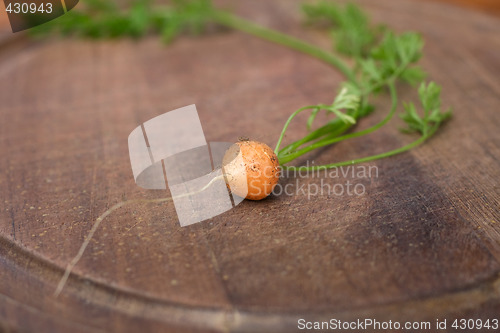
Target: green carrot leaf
<point>430,99</point>
<point>351,31</point>
<point>412,75</point>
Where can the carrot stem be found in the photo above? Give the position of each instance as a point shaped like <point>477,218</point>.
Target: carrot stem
<point>325,142</point>
<point>369,158</point>
<point>274,36</point>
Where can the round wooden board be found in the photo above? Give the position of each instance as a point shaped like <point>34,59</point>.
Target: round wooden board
<point>422,243</point>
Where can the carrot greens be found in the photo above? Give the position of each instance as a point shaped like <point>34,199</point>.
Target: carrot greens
<point>372,58</point>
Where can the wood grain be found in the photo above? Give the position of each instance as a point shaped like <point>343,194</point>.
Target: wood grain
<point>491,7</point>
<point>422,243</point>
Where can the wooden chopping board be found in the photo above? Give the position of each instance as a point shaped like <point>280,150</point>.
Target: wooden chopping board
<point>422,243</point>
